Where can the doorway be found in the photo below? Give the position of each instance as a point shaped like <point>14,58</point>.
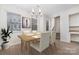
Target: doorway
<point>57,27</point>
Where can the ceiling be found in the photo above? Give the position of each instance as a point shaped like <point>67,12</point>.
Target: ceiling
<point>49,9</point>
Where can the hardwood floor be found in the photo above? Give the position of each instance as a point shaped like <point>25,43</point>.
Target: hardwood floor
<point>61,48</point>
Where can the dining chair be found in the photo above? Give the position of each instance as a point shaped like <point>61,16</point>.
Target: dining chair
<point>53,38</point>
<point>43,43</point>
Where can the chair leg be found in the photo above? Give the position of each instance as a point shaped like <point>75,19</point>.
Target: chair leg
<point>48,52</point>
<point>21,47</point>
<point>31,51</point>
<point>55,44</point>
<point>28,48</point>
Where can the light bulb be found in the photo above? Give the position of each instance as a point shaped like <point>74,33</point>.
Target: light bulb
<point>39,10</point>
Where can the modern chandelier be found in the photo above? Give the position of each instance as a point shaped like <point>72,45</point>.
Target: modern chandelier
<point>37,11</point>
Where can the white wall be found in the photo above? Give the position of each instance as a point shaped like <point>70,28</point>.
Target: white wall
<point>64,28</point>
<point>3,21</point>
<point>64,23</point>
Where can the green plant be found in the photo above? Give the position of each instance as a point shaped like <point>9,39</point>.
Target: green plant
<point>5,34</point>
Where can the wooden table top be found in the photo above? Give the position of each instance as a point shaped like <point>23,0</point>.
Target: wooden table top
<point>27,38</point>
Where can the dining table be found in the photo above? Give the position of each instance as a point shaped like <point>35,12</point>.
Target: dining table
<point>26,39</point>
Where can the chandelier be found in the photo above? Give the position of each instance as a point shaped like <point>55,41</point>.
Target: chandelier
<point>37,11</point>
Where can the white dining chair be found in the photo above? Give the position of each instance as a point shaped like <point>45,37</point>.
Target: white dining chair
<point>53,38</point>
<point>43,43</point>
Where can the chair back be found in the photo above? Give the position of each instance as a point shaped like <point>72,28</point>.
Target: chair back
<point>44,41</point>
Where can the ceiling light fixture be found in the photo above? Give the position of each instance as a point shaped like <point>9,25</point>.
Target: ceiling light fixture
<point>37,11</point>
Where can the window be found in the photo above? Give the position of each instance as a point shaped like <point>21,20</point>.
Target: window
<point>14,21</point>
<point>34,24</point>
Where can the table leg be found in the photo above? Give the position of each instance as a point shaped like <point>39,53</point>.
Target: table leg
<point>21,46</point>
<point>28,47</point>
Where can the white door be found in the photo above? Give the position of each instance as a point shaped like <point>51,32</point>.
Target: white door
<point>57,26</point>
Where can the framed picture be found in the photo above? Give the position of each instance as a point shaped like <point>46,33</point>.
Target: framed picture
<point>25,22</point>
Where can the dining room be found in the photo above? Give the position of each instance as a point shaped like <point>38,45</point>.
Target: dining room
<point>31,29</point>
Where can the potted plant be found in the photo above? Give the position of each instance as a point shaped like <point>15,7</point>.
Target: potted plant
<point>5,34</point>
